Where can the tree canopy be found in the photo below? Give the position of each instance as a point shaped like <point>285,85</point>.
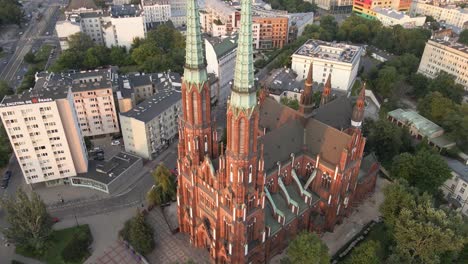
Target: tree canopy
<point>164,189</point>
<point>11,12</point>
<point>292,6</point>
<point>463,38</point>
<point>425,170</point>
<point>308,248</point>
<point>139,234</point>
<point>365,253</point>
<point>30,224</point>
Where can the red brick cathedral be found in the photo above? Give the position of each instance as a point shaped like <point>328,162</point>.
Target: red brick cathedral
<point>282,170</point>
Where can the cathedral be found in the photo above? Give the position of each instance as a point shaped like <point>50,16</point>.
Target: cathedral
<point>281,171</point>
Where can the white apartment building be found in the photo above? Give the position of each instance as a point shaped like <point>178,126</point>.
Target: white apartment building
<point>219,18</point>
<point>449,14</point>
<point>64,30</point>
<point>390,17</point>
<point>123,24</point>
<point>156,11</point>
<point>445,55</point>
<point>90,24</point>
<point>92,96</point>
<point>456,188</point>
<point>338,59</point>
<point>221,59</point>
<point>121,2</point>
<point>81,6</point>
<point>43,130</point>
<point>150,126</point>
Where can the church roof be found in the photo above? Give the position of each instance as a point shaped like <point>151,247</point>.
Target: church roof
<point>336,113</point>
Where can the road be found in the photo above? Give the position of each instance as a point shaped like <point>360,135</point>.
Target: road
<point>14,69</point>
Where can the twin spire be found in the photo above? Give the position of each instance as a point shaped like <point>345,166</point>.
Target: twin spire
<point>195,65</point>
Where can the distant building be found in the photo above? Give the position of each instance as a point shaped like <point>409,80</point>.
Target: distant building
<point>178,12</point>
<point>92,95</point>
<point>270,32</point>
<point>43,130</point>
<point>76,7</point>
<point>334,5</point>
<point>456,188</point>
<point>420,127</point>
<point>445,55</point>
<point>91,25</point>
<point>150,126</point>
<point>340,59</point>
<point>156,11</point>
<point>64,30</point>
<point>221,58</point>
<point>448,14</point>
<point>121,2</point>
<point>390,18</point>
<point>365,8</point>
<point>123,25</point>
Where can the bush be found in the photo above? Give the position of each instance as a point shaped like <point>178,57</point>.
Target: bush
<point>77,248</point>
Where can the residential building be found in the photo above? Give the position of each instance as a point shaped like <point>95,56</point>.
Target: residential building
<point>150,126</point>
<point>42,126</point>
<point>335,6</point>
<point>220,58</point>
<point>65,29</point>
<point>420,127</point>
<point>456,188</point>
<point>178,12</point>
<point>123,25</point>
<point>121,2</point>
<point>156,11</point>
<point>390,18</point>
<point>365,8</point>
<point>270,32</point>
<point>339,59</point>
<point>91,25</point>
<point>282,172</point>
<point>297,24</point>
<point>76,7</point>
<point>448,14</point>
<point>445,55</point>
<point>92,93</point>
<point>219,18</point>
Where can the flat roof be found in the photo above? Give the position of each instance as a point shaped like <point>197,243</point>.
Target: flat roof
<point>458,167</point>
<point>425,126</point>
<point>332,51</point>
<point>106,171</point>
<point>155,105</point>
<point>223,46</point>
<point>451,44</point>
<point>125,10</point>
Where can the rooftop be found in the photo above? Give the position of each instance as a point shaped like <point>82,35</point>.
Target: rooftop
<point>425,126</point>
<point>389,12</point>
<point>106,171</point>
<point>77,4</point>
<point>332,51</point>
<point>223,46</point>
<point>154,106</point>
<point>451,44</point>
<point>125,10</point>
<point>458,168</point>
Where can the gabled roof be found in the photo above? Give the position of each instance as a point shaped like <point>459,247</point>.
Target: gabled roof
<point>274,114</point>
<point>336,113</point>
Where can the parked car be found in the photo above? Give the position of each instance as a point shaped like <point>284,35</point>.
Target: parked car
<point>7,175</point>
<point>117,136</point>
<point>115,143</point>
<point>99,156</point>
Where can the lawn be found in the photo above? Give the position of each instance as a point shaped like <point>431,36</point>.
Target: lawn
<point>58,241</point>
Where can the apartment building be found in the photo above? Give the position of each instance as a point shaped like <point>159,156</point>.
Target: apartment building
<point>90,24</point>
<point>92,95</point>
<point>456,188</point>
<point>65,29</point>
<point>43,129</point>
<point>447,14</point>
<point>365,8</point>
<point>122,25</point>
<point>178,12</point>
<point>220,56</point>
<point>76,7</point>
<point>219,18</point>
<point>150,126</point>
<point>270,32</point>
<point>445,55</point>
<point>341,60</point>
<point>156,11</point>
<point>390,18</point>
<point>334,5</point>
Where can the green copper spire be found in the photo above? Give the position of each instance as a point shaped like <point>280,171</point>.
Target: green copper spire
<point>195,68</point>
<point>243,91</point>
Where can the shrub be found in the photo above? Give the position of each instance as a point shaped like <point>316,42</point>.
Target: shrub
<point>77,248</point>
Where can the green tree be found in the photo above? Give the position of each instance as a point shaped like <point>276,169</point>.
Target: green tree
<point>30,224</point>
<point>139,234</point>
<point>397,197</point>
<point>164,186</point>
<point>463,38</point>
<point>365,253</point>
<point>10,12</point>
<point>420,84</point>
<point>308,248</point>
<point>290,102</point>
<point>77,248</point>
<point>425,170</point>
<point>30,58</point>
<point>5,89</point>
<point>80,42</point>
<point>5,149</point>
<point>385,82</point>
<point>445,84</point>
<point>436,107</point>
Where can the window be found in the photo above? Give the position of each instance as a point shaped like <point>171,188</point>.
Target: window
<point>462,190</point>
<point>242,136</point>
<point>250,173</point>
<point>195,108</point>
<point>326,181</point>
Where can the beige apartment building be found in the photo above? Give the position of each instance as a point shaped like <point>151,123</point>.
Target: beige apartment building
<point>449,14</point>
<point>150,126</point>
<point>43,130</point>
<point>92,95</point>
<point>445,55</point>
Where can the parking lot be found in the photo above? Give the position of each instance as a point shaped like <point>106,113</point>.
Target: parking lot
<point>105,144</point>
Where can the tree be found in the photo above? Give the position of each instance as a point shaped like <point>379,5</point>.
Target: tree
<point>307,248</point>
<point>30,224</point>
<point>77,248</point>
<point>397,197</point>
<point>463,38</point>
<point>385,82</point>
<point>80,42</point>
<point>10,12</point>
<point>165,186</point>
<point>290,102</point>
<point>420,83</point>
<point>365,253</point>
<point>5,89</point>
<point>139,234</point>
<point>426,170</point>
<point>30,58</point>
<point>445,84</point>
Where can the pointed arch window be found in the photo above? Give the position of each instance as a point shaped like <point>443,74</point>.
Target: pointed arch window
<point>242,136</point>
<point>195,108</point>
<point>203,97</point>
<point>250,173</point>
<point>205,143</point>
<point>230,173</point>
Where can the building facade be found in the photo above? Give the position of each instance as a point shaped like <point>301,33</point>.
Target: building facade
<point>390,18</point>
<point>150,126</point>
<point>221,57</point>
<point>445,55</point>
<point>64,30</point>
<point>338,59</point>
<point>456,188</point>
<point>334,5</point>
<point>364,8</point>
<point>281,171</point>
<point>449,14</point>
<point>156,11</point>
<point>93,98</point>
<point>44,134</point>
<point>270,32</point>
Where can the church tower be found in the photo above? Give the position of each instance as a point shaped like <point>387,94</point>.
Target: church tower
<point>358,110</point>
<point>306,103</point>
<point>244,168</point>
<point>326,92</point>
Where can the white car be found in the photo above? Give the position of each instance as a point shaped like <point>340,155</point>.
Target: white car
<point>115,143</point>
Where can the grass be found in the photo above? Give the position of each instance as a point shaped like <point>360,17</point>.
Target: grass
<point>379,234</point>
<point>58,241</point>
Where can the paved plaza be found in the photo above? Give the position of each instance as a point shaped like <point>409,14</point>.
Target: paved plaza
<point>118,254</point>
<point>172,248</point>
